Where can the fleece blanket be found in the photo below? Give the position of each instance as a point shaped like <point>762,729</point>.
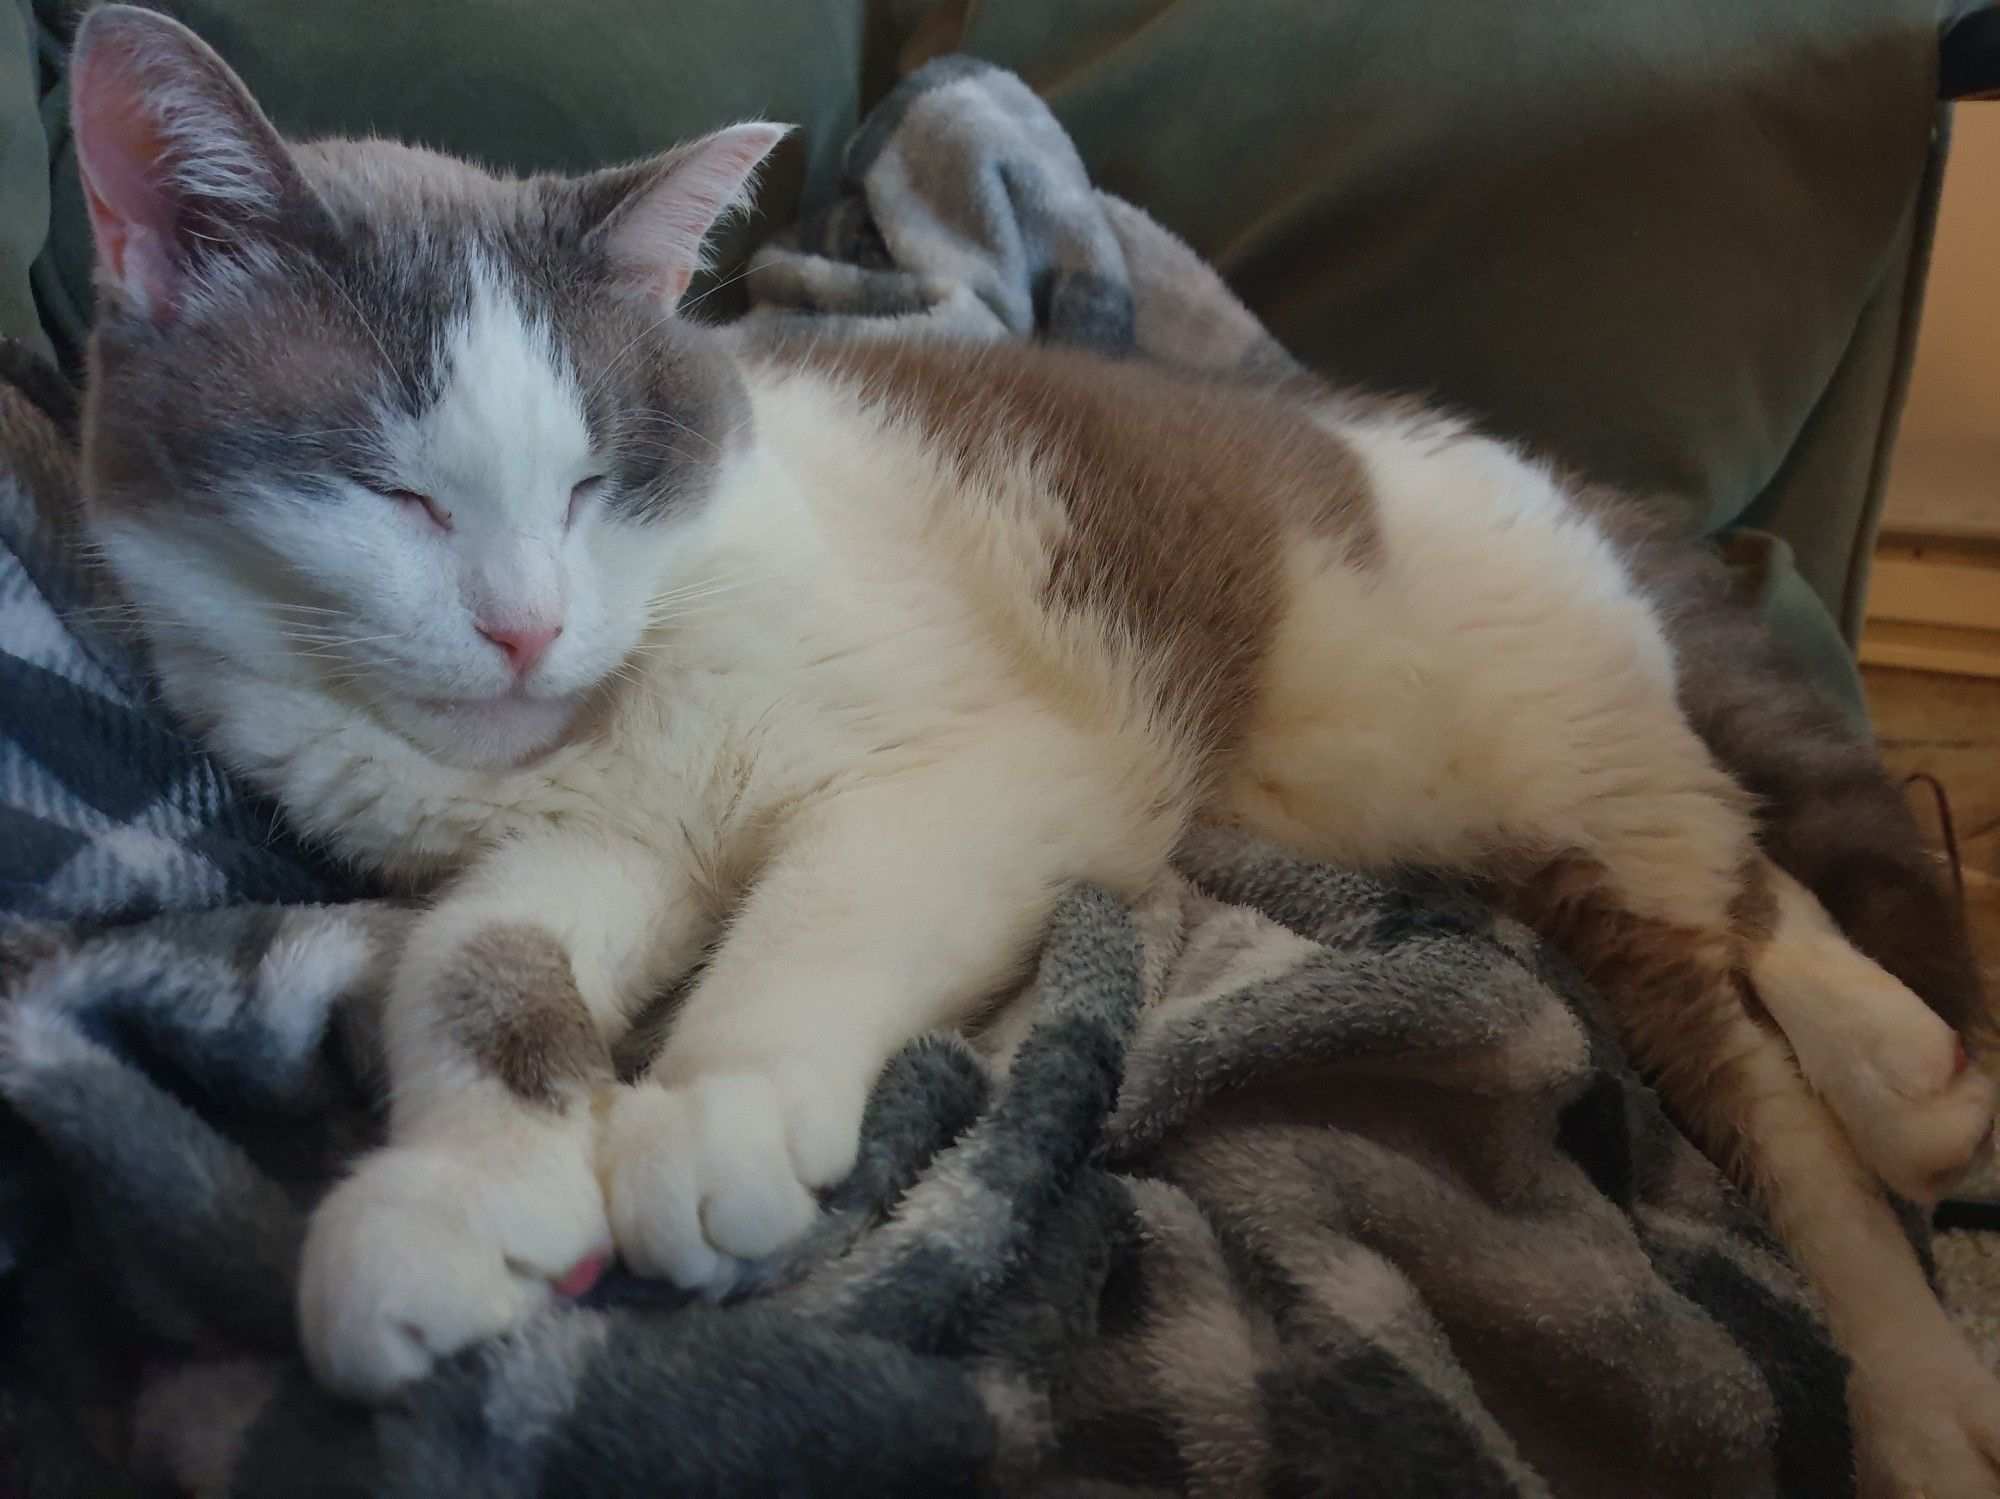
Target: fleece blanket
<point>1287,1180</point>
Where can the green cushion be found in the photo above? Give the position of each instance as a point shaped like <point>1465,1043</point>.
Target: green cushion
<point>24,176</point>
<point>1827,495</point>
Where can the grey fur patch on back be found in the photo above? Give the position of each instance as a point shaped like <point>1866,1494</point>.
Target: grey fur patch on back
<point>510,999</point>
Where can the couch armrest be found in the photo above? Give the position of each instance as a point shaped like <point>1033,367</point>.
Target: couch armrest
<point>1969,55</point>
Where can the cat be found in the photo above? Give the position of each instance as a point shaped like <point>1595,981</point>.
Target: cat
<point>832,663</point>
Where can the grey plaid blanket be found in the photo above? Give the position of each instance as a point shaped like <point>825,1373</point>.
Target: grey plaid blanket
<point>1286,1181</point>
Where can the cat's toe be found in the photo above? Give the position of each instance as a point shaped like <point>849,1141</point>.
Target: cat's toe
<point>721,1168</point>
<point>823,1100</point>
<point>753,1202</point>
<point>1927,1426</point>
<point>652,1189</point>
<point>424,1251</point>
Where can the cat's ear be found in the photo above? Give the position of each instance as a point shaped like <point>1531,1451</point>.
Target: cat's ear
<point>653,218</point>
<point>178,163</point>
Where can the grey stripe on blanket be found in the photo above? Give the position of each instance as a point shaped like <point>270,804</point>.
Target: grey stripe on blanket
<point>1285,1181</point>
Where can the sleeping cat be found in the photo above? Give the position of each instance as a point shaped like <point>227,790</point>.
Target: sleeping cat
<point>835,663</point>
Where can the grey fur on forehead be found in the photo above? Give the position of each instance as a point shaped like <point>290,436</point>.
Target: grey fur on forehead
<point>430,202</point>
<point>347,318</point>
<point>369,177</point>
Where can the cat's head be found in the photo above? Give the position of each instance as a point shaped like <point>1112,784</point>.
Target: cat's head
<point>371,419</point>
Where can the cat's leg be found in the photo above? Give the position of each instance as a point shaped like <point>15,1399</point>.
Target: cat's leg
<point>496,1029</point>
<point>1669,954</point>
<point>890,909</point>
<point>1901,1081</point>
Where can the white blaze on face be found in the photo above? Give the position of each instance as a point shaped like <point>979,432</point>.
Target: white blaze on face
<point>501,450</point>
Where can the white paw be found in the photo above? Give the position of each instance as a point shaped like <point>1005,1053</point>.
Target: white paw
<point>1927,1426</point>
<point>1917,1111</point>
<point>719,1167</point>
<point>433,1246</point>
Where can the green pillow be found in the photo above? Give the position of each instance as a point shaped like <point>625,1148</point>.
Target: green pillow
<point>24,175</point>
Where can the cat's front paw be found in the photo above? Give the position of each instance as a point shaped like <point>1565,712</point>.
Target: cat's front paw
<point>720,1165</point>
<point>430,1247</point>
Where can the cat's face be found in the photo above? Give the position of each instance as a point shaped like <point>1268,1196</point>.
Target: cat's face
<point>370,419</point>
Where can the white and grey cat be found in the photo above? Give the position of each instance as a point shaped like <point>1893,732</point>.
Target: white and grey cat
<point>834,664</point>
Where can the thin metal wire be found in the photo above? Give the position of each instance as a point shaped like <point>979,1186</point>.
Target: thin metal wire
<point>1946,829</point>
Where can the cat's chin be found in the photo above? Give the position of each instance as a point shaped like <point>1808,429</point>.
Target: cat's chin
<point>491,733</point>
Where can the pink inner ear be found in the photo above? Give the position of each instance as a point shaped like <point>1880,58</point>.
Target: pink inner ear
<point>122,158</point>
<point>658,241</point>
<point>673,286</point>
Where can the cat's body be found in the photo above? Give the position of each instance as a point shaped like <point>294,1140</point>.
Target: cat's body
<point>1445,664</point>
<point>838,664</point>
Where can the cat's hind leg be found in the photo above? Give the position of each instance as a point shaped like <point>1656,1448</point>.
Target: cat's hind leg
<point>1900,1080</point>
<point>1671,960</point>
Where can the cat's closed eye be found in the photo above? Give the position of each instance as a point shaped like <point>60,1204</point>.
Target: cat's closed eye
<point>417,500</point>
<point>585,491</point>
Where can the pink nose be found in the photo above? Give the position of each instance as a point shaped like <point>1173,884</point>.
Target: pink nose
<point>524,645</point>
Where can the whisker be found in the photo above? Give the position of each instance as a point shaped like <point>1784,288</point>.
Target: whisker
<point>653,449</point>
<point>688,306</point>
<point>320,432</point>
<point>641,418</point>
<point>355,307</point>
<point>613,365</point>
<point>332,643</point>
<point>668,600</point>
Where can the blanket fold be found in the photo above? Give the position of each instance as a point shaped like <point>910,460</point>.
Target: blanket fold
<point>1285,1180</point>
